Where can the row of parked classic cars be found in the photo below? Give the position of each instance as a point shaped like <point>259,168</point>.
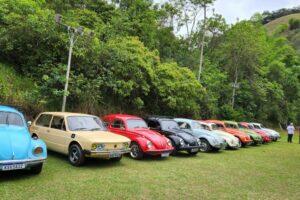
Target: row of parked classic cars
<point>23,145</point>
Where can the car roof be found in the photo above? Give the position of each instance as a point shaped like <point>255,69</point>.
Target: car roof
<point>156,117</point>
<point>122,116</point>
<point>231,122</point>
<point>254,123</point>
<point>215,121</point>
<point>184,120</point>
<point>9,109</point>
<point>66,114</point>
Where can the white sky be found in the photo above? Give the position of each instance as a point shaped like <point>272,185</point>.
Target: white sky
<point>244,9</point>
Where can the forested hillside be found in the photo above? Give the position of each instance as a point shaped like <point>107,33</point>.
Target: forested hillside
<point>135,62</point>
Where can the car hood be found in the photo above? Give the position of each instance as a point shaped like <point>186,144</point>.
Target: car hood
<point>186,136</point>
<point>206,134</point>
<point>101,137</point>
<point>224,134</point>
<point>251,133</point>
<point>271,131</point>
<point>157,139</point>
<point>15,142</point>
<point>236,132</point>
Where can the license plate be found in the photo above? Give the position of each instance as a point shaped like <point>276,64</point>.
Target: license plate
<point>194,150</point>
<point>13,167</point>
<point>165,155</point>
<point>114,155</point>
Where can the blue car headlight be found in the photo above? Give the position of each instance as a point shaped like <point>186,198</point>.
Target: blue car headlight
<point>38,151</point>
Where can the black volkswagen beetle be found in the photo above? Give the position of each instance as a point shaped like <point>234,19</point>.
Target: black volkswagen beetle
<point>181,140</point>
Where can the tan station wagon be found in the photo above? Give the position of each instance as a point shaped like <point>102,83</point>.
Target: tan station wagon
<point>78,136</point>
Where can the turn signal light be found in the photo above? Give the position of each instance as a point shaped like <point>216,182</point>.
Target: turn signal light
<point>38,150</point>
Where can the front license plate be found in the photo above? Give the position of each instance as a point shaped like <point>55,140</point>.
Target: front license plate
<point>164,155</point>
<point>13,167</point>
<point>194,150</point>
<point>114,155</point>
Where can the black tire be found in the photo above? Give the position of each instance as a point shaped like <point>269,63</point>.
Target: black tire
<point>36,169</point>
<point>76,155</point>
<point>205,146</point>
<point>174,152</point>
<point>118,159</point>
<point>275,139</point>
<point>192,153</point>
<point>136,151</point>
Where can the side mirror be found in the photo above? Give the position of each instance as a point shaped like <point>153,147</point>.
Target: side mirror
<point>29,123</point>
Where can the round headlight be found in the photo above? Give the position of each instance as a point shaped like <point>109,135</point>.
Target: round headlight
<point>38,150</point>
<point>181,142</point>
<point>199,141</point>
<point>149,144</point>
<point>169,142</point>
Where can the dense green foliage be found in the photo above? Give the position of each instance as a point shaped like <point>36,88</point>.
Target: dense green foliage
<point>134,62</point>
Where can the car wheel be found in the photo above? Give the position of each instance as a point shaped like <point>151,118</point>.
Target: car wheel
<point>205,146</point>
<point>240,144</point>
<point>76,155</point>
<point>174,152</point>
<point>116,159</point>
<point>275,139</point>
<point>135,151</point>
<point>36,169</point>
<point>192,153</point>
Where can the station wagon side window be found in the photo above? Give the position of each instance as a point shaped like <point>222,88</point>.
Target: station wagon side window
<point>117,123</point>
<point>58,123</point>
<point>44,120</point>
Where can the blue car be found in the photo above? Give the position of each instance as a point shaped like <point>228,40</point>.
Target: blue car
<point>18,150</point>
<point>210,141</point>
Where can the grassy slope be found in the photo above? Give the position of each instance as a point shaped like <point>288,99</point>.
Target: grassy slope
<point>293,36</point>
<point>13,87</point>
<point>267,172</point>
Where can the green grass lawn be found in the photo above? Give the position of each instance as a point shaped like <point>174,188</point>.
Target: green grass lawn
<point>269,171</point>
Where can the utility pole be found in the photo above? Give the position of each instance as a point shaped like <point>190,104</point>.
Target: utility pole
<point>202,43</point>
<point>74,33</point>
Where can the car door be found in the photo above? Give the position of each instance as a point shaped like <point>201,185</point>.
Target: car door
<point>118,126</point>
<point>41,128</point>
<point>58,135</point>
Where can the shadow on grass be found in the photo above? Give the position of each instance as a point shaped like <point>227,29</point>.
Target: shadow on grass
<point>90,163</point>
<point>16,175</point>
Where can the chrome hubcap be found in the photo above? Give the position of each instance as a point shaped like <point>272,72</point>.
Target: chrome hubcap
<point>203,146</point>
<point>74,156</point>
<point>134,151</point>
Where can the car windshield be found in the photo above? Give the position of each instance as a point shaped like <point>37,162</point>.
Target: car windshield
<point>136,123</point>
<point>256,126</point>
<point>215,127</point>
<point>169,125</point>
<point>197,125</point>
<point>9,118</point>
<point>251,126</point>
<point>231,126</point>
<point>85,123</point>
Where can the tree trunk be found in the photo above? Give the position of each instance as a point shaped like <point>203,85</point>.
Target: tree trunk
<point>202,44</point>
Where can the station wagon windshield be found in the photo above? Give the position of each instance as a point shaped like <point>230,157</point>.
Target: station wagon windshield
<point>9,118</point>
<point>85,123</point>
<point>169,124</point>
<point>136,123</point>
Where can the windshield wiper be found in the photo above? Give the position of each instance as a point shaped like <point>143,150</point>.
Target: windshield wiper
<point>95,129</point>
<point>79,129</point>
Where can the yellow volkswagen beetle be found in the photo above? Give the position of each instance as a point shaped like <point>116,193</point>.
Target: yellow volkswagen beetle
<point>78,136</point>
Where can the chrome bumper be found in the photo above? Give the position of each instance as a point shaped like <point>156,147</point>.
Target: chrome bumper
<point>27,162</point>
<point>105,153</point>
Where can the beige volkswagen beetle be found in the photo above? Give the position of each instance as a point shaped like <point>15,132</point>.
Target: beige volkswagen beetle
<point>78,136</point>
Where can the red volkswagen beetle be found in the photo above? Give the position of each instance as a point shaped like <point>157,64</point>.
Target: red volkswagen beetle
<point>260,132</point>
<point>243,137</point>
<point>143,140</point>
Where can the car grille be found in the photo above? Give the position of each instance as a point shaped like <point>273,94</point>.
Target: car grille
<point>112,146</point>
